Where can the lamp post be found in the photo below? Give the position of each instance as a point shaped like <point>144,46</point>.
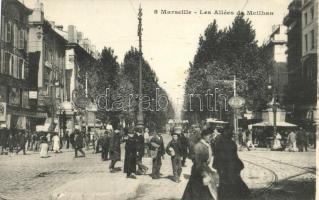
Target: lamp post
<point>140,120</point>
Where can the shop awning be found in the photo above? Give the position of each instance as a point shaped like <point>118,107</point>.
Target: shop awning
<point>279,124</point>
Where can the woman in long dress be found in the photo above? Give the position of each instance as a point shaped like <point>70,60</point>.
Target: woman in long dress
<point>56,143</point>
<point>44,147</point>
<point>201,182</point>
<point>277,144</point>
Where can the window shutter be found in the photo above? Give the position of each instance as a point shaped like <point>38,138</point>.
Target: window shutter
<point>15,35</point>
<point>3,28</point>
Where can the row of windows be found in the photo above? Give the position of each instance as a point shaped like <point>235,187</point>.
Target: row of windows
<point>306,16</point>
<point>12,65</point>
<point>309,41</point>
<point>13,34</point>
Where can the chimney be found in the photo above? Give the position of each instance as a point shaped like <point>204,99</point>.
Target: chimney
<point>72,36</point>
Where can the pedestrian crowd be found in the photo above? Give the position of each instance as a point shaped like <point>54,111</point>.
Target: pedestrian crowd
<point>289,139</point>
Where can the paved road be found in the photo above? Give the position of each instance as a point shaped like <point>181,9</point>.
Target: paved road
<point>270,175</point>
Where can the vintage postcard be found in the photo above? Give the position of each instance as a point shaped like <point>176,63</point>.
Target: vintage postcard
<point>158,99</point>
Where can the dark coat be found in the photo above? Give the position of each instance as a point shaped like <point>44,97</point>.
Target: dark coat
<point>11,142</point>
<point>157,140</point>
<point>78,141</point>
<point>130,155</point>
<point>185,145</point>
<point>22,139</point>
<point>105,141</point>
<point>115,146</point>
<point>300,137</point>
<point>195,188</point>
<point>140,145</point>
<point>177,146</point>
<point>228,166</point>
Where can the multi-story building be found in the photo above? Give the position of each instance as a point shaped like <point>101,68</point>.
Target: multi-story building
<point>47,50</point>
<point>294,95</point>
<point>277,46</point>
<point>16,111</point>
<point>309,31</point>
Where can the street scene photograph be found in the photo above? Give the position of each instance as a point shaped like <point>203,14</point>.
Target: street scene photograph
<point>162,100</point>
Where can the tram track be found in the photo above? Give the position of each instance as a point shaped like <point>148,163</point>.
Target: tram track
<point>275,178</point>
<point>270,184</point>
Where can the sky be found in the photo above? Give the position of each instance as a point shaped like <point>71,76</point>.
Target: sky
<point>170,41</point>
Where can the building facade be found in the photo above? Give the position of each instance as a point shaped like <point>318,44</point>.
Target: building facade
<point>309,31</point>
<point>47,50</point>
<point>294,95</point>
<point>16,111</point>
<point>277,47</point>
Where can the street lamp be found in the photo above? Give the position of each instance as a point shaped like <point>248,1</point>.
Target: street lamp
<point>140,118</point>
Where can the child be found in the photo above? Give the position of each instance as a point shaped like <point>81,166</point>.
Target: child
<point>174,149</point>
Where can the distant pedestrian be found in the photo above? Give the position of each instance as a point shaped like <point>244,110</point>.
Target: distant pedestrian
<point>249,139</point>
<point>44,147</point>
<point>306,139</point>
<point>78,143</point>
<point>115,149</point>
<point>56,143</point>
<point>291,140</point>
<point>140,148</point>
<point>174,149</point>
<point>49,139</point>
<point>300,139</point>
<point>11,142</point>
<point>185,147</point>
<point>72,139</point>
<point>157,153</point>
<point>105,143</point>
<point>22,142</point>
<point>277,144</point>
<point>130,156</point>
<point>228,166</point>
<point>147,141</point>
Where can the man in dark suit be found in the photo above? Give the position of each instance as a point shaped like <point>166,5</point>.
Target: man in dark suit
<point>140,151</point>
<point>157,146</point>
<point>78,142</point>
<point>115,149</point>
<point>105,143</point>
<point>22,141</point>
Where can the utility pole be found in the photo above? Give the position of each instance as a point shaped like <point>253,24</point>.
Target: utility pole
<point>140,120</point>
<point>86,96</point>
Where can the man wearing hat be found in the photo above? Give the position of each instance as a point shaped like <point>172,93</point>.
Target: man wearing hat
<point>78,142</point>
<point>115,149</point>
<point>174,149</point>
<point>105,143</point>
<point>157,153</point>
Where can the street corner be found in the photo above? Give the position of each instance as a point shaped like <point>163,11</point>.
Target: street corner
<point>97,188</point>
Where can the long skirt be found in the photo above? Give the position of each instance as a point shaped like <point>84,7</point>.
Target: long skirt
<point>44,150</point>
<point>196,190</point>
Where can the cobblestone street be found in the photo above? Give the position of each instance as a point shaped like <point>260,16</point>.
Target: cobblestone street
<point>270,175</point>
